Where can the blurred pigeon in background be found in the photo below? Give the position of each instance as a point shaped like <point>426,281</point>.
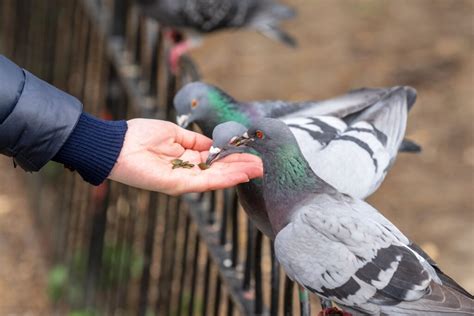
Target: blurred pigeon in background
<point>203,16</point>
<point>340,247</point>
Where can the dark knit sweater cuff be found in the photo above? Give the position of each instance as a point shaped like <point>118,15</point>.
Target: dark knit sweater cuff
<point>93,147</point>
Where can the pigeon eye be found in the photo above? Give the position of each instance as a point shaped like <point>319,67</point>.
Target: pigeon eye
<point>194,103</point>
<point>233,140</point>
<point>259,134</point>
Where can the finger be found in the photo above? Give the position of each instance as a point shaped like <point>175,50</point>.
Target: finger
<point>238,157</point>
<point>241,158</point>
<point>192,140</point>
<point>202,183</point>
<point>251,169</point>
<point>237,162</point>
<point>227,181</point>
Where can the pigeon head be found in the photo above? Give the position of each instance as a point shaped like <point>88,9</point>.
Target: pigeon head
<point>283,161</point>
<point>223,138</point>
<point>207,106</point>
<point>288,178</point>
<point>277,146</point>
<point>266,136</point>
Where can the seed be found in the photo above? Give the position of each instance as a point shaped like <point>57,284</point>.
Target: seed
<point>203,166</point>
<point>176,162</point>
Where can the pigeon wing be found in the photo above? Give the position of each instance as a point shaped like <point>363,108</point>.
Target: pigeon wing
<point>354,158</point>
<point>266,17</point>
<point>341,106</point>
<point>389,118</point>
<point>342,256</point>
<point>210,15</point>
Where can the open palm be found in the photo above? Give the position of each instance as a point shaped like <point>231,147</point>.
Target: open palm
<point>151,145</point>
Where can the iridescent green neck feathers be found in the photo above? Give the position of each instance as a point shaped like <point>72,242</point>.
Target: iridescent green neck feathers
<point>290,170</point>
<point>226,108</point>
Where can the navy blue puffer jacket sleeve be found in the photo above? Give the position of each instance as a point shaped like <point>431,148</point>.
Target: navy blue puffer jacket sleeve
<point>36,119</point>
<point>39,123</point>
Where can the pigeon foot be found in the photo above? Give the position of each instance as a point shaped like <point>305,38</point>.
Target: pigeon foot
<point>176,52</point>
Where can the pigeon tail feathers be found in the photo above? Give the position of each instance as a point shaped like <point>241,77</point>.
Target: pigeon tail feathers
<point>411,97</point>
<point>445,279</point>
<point>409,146</point>
<point>393,108</point>
<point>267,19</point>
<point>442,300</point>
<point>275,33</point>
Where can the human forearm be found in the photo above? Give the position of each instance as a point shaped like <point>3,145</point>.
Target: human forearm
<point>93,147</point>
<point>36,117</point>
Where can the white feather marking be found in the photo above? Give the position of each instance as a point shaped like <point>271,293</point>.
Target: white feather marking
<point>365,292</point>
<point>312,127</point>
<point>214,150</point>
<point>363,124</point>
<point>379,151</point>
<point>182,120</point>
<point>333,122</point>
<point>308,145</point>
<point>335,165</point>
<point>385,276</point>
<point>296,121</point>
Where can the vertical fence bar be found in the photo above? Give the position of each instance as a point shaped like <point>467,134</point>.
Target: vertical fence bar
<point>188,260</point>
<point>249,257</point>
<point>194,274</point>
<point>183,265</point>
<point>148,253</point>
<point>258,273</point>
<point>275,282</point>
<point>288,297</point>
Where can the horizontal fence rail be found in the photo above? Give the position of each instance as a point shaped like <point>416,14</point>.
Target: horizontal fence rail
<point>116,250</point>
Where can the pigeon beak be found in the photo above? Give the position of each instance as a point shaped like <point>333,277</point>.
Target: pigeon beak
<point>183,120</point>
<point>214,154</point>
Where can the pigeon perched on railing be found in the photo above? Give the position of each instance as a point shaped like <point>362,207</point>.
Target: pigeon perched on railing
<point>208,106</point>
<point>203,16</point>
<point>340,247</point>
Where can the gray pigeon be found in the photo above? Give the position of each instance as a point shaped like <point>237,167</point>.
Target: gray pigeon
<point>353,157</point>
<point>203,16</point>
<point>209,106</point>
<point>250,194</point>
<point>340,247</point>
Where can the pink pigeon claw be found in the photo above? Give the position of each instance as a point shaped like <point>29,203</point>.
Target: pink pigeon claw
<point>333,311</point>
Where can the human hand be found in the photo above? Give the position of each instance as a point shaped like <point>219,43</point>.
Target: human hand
<point>151,145</point>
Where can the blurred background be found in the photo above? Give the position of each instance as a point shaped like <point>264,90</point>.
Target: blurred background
<point>343,44</point>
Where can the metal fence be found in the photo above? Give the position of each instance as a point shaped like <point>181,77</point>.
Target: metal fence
<point>116,250</point>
